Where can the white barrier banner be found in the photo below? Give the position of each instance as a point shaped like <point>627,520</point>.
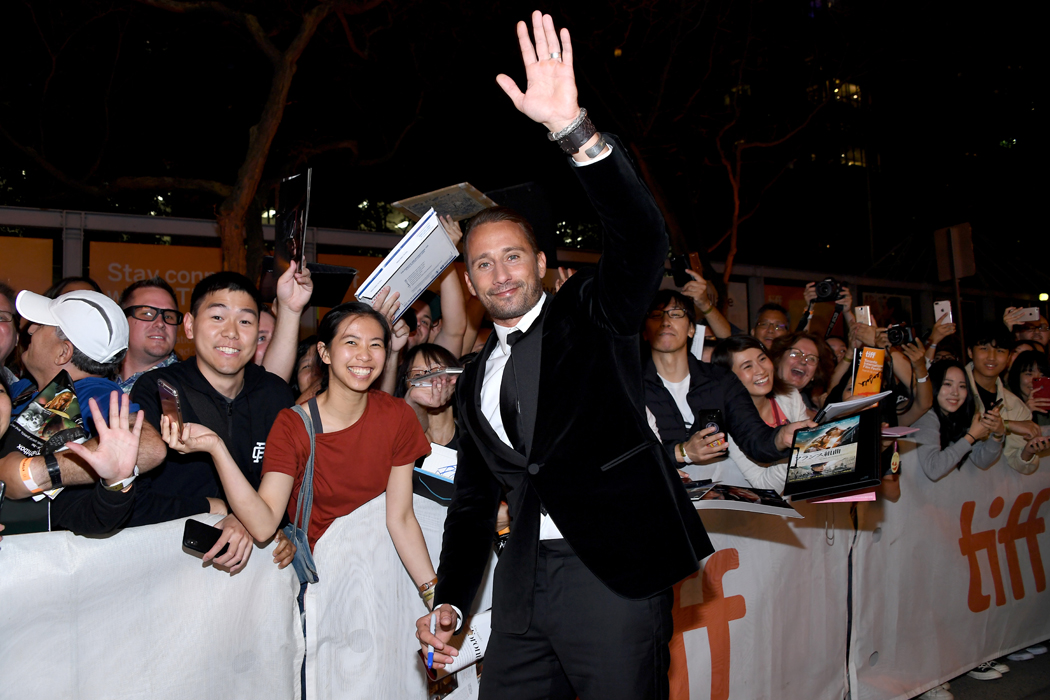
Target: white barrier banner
<point>361,615</point>
<point>766,617</point>
<point>132,616</point>
<point>948,577</point>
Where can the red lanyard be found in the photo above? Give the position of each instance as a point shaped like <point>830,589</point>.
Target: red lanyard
<point>778,416</point>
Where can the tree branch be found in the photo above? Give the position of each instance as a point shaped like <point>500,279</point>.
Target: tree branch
<point>249,22</point>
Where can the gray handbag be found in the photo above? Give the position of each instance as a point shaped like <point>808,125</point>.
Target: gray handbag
<point>303,562</point>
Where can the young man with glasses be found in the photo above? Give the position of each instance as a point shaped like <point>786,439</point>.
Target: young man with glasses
<point>678,387</point>
<point>153,322</point>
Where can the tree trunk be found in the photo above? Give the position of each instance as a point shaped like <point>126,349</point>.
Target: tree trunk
<point>232,235</point>
<point>256,246</point>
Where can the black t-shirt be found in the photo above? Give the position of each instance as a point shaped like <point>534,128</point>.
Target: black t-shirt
<point>987,397</point>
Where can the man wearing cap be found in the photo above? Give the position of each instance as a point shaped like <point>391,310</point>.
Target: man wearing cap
<point>85,334</point>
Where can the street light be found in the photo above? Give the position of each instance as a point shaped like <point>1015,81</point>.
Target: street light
<point>1044,297</point>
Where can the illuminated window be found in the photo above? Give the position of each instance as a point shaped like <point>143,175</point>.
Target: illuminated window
<point>854,156</point>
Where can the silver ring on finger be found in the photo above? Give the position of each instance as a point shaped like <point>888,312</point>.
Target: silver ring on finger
<point>555,55</point>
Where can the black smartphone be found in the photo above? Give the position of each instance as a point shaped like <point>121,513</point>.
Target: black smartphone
<point>679,265</point>
<point>199,537</point>
<point>170,404</point>
<point>710,418</point>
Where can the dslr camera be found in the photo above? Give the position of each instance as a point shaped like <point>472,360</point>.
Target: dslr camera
<point>900,334</point>
<point>828,289</point>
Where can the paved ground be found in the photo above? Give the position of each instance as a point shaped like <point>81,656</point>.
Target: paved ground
<point>1027,680</point>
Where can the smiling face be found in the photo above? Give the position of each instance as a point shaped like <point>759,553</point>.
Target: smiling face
<point>503,271</point>
<point>224,332</point>
<point>664,332</point>
<point>1038,331</point>
<point>798,365</point>
<point>356,354</point>
<point>754,369</point>
<point>988,360</point>
<point>149,342</point>
<point>424,324</point>
<point>953,390</point>
<point>266,325</point>
<point>838,347</point>
<point>1025,381</point>
<point>771,324</point>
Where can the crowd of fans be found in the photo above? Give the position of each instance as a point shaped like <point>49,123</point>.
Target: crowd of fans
<point>241,452</point>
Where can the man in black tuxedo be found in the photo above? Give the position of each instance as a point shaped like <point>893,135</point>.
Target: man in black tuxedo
<point>602,528</point>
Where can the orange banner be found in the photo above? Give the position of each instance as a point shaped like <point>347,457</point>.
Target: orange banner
<point>116,265</point>
<point>27,263</point>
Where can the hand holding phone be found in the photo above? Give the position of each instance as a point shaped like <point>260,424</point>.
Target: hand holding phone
<point>170,405</point>
<point>942,308</point>
<point>199,537</point>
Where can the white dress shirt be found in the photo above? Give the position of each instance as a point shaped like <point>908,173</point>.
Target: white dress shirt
<point>490,390</point>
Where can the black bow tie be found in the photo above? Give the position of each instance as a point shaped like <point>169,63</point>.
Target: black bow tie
<point>513,337</point>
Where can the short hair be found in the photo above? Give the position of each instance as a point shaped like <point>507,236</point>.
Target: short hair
<point>89,366</point>
<point>994,334</point>
<point>220,281</point>
<point>151,283</point>
<point>58,288</point>
<point>825,364</point>
<point>727,348</point>
<point>771,307</point>
<point>5,290</point>
<point>429,351</point>
<point>495,215</point>
<point>665,296</point>
<point>1026,362</point>
<point>331,321</point>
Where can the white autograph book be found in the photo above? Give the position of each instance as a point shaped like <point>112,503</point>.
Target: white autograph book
<point>413,264</point>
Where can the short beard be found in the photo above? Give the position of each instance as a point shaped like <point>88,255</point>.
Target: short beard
<point>531,292</point>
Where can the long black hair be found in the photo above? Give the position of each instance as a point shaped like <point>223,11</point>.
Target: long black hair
<point>1026,362</point>
<point>953,425</point>
<point>334,318</point>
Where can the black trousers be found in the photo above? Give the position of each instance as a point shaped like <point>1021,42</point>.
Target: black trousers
<point>584,640</point>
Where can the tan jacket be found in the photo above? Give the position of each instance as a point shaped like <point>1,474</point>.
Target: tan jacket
<point>1013,409</point>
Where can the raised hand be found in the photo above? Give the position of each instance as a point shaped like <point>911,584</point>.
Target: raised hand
<point>194,438</point>
<point>387,304</point>
<point>452,228</point>
<point>564,273</point>
<point>1012,317</point>
<point>294,288</point>
<point>696,289</point>
<point>438,394</point>
<point>117,451</point>
<point>550,97</point>
<point>993,421</point>
<point>706,446</point>
<point>941,330</point>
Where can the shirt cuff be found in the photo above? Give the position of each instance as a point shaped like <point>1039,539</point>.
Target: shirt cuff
<point>459,618</point>
<point>601,156</point>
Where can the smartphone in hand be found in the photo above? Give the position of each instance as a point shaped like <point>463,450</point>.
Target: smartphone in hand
<point>940,308</point>
<point>198,537</point>
<point>1041,388</point>
<point>1030,313</point>
<point>170,405</point>
<point>710,418</point>
<point>863,315</point>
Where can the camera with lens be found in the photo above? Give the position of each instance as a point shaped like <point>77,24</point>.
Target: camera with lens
<point>900,334</point>
<point>828,289</point>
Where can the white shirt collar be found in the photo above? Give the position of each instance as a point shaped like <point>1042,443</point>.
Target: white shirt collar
<point>523,325</point>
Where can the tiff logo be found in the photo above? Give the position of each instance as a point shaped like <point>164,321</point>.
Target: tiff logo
<point>1015,529</point>
<point>715,613</point>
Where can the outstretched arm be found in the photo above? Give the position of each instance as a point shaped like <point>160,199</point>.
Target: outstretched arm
<point>294,289</point>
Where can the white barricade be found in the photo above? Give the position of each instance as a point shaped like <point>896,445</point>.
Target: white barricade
<point>772,604</point>
<point>948,577</point>
<point>134,616</point>
<point>361,614</point>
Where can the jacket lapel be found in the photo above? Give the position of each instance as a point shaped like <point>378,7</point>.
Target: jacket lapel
<point>528,354</point>
<point>482,427</point>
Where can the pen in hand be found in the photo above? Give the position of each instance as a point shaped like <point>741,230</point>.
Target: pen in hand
<point>430,647</point>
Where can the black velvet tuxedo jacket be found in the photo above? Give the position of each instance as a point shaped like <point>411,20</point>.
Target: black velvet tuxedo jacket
<point>591,458</point>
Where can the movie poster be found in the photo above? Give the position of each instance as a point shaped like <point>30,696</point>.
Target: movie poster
<point>827,450</point>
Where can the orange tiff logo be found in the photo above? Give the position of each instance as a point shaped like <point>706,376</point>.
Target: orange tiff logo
<point>715,613</point>
<point>1015,529</point>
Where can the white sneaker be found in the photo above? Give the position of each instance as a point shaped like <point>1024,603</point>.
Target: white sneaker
<point>984,672</point>
<point>999,666</point>
<point>1020,656</point>
<point>1036,649</point>
<point>938,693</point>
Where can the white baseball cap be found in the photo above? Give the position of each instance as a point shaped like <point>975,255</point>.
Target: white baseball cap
<point>93,322</point>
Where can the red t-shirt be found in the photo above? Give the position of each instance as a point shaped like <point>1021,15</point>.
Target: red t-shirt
<point>351,466</point>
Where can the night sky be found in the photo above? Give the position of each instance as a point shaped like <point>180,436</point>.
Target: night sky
<point>945,120</point>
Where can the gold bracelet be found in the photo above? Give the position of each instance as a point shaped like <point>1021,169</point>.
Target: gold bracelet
<point>685,457</point>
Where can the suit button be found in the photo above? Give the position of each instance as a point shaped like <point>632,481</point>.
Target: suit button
<point>534,469</point>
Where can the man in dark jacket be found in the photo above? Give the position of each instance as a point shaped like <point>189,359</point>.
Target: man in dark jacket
<point>219,388</point>
<point>678,387</point>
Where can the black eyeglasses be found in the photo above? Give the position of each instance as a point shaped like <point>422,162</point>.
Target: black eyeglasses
<point>6,317</point>
<point>149,314</point>
<point>658,314</point>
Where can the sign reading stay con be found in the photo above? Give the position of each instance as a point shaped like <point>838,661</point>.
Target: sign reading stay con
<point>116,265</point>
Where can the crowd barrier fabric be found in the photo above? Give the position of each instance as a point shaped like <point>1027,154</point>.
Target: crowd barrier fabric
<point>133,616</point>
<point>948,577</point>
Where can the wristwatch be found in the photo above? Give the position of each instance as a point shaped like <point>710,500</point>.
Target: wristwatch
<point>123,483</point>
